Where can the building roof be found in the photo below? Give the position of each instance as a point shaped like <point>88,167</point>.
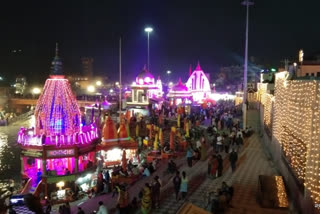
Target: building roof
<point>145,74</point>
<point>179,86</point>
<point>179,91</point>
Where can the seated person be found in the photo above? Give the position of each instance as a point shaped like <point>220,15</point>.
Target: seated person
<point>227,191</point>
<point>123,173</point>
<point>172,167</point>
<point>248,131</point>
<point>166,148</point>
<point>130,165</point>
<point>130,173</point>
<point>146,172</point>
<point>135,171</point>
<point>154,163</point>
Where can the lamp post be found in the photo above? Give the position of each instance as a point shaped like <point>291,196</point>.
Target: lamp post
<point>246,3</point>
<point>148,30</point>
<point>168,72</point>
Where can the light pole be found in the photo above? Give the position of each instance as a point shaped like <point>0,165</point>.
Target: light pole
<point>168,72</point>
<point>246,3</point>
<point>148,30</point>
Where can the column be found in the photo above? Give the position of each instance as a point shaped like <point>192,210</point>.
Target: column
<point>44,167</point>
<point>76,164</point>
<point>22,165</point>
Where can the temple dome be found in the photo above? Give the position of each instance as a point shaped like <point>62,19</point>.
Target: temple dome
<point>179,91</point>
<point>179,87</point>
<point>145,77</point>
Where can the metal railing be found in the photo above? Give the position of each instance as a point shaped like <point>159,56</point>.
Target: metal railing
<point>21,117</point>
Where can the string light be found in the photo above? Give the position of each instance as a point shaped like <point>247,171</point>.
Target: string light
<point>293,116</point>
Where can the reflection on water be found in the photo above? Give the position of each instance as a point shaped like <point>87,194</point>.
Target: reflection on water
<point>9,151</point>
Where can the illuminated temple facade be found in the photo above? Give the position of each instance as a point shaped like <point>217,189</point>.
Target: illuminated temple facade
<point>59,147</point>
<point>145,88</point>
<point>179,94</point>
<point>199,84</point>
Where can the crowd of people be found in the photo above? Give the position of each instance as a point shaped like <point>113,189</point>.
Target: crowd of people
<point>221,130</point>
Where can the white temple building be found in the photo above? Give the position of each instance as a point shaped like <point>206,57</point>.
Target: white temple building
<point>199,85</point>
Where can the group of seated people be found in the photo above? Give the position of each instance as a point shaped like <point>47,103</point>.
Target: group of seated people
<point>146,169</point>
<point>248,131</point>
<point>149,168</point>
<point>221,198</point>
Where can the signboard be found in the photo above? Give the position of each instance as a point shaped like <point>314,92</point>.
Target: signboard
<point>60,153</point>
<point>32,153</point>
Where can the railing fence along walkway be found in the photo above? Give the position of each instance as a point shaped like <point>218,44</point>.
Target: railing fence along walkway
<point>21,117</point>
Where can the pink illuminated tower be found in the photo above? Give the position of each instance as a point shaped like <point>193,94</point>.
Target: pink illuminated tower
<point>59,149</point>
<point>57,111</point>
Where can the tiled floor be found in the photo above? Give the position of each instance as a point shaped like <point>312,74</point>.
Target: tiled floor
<point>252,163</point>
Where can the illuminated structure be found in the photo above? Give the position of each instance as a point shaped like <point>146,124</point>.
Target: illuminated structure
<point>115,141</point>
<point>198,84</point>
<point>59,148</point>
<point>179,94</point>
<point>145,88</point>
<point>291,118</point>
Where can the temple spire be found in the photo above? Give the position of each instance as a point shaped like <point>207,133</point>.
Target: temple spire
<point>190,70</point>
<point>198,68</point>
<point>57,49</point>
<point>145,67</point>
<point>56,64</point>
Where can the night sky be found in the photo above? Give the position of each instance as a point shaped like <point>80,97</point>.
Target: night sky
<point>209,31</point>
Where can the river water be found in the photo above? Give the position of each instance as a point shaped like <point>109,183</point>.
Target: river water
<point>10,164</point>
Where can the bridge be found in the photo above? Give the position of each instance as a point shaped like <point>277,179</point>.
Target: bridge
<point>20,103</point>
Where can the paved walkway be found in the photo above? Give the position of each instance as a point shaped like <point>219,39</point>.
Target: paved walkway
<point>252,162</point>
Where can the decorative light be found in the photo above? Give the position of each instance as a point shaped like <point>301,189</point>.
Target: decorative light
<point>98,83</point>
<point>295,125</point>
<point>111,90</point>
<point>57,118</point>
<point>91,88</point>
<point>168,72</point>
<point>60,184</point>
<point>36,91</point>
<point>147,79</point>
<point>141,81</point>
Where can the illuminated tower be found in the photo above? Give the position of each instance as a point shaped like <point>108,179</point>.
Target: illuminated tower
<point>64,147</point>
<point>57,111</point>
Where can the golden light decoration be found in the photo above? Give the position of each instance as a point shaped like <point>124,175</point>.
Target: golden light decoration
<point>293,116</point>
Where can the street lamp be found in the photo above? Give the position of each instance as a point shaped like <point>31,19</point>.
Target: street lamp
<point>168,72</point>
<point>148,30</point>
<point>247,3</point>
